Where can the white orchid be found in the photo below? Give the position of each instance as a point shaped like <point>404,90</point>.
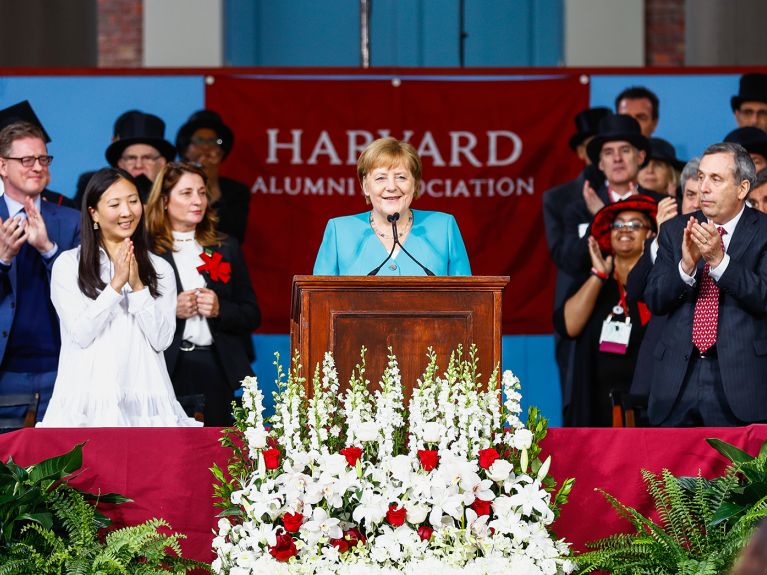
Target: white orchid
<point>322,525</point>
<point>371,510</point>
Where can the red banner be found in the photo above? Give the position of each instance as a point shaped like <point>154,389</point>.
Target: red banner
<point>490,148</point>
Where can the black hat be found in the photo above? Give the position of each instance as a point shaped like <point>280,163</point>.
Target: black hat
<point>662,150</point>
<point>140,128</point>
<point>615,127</point>
<point>205,119</point>
<point>22,112</point>
<point>586,123</point>
<point>753,88</point>
<point>752,139</point>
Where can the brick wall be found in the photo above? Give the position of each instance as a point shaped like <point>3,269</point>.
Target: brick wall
<point>120,30</point>
<point>664,32</point>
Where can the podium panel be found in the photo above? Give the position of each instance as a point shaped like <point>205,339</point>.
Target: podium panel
<point>408,314</point>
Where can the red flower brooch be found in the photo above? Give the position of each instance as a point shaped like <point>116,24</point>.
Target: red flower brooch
<point>215,266</point>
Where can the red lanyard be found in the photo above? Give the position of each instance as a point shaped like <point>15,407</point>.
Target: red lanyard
<point>644,313</point>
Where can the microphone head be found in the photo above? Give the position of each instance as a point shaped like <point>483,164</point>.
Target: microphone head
<point>393,217</point>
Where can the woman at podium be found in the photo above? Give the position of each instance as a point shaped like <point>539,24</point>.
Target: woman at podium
<point>392,239</point>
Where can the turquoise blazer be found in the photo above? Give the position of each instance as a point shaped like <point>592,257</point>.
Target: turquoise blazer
<point>351,248</point>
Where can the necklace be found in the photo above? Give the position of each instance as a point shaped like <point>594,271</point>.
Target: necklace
<point>402,233</point>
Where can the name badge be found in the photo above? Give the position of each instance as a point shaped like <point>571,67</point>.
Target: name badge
<point>615,335</point>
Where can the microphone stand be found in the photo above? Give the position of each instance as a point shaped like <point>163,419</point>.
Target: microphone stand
<point>393,220</point>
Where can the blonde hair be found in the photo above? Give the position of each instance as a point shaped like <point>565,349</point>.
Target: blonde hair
<point>389,152</point>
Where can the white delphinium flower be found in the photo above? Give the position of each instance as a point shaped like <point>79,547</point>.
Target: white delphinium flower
<point>389,407</point>
<point>423,411</point>
<point>512,405</point>
<point>253,403</point>
<point>323,405</point>
<point>288,407</point>
<point>357,406</point>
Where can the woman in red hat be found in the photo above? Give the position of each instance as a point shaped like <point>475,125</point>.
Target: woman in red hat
<point>607,326</point>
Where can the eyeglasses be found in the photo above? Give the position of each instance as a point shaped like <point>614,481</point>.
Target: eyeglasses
<point>198,141</point>
<point>631,226</point>
<point>139,159</point>
<point>29,161</point>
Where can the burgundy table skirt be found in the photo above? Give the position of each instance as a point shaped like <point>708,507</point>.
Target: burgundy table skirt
<point>166,470</point>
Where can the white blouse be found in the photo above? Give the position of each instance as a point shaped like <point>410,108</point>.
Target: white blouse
<point>111,367</point>
<point>186,255</point>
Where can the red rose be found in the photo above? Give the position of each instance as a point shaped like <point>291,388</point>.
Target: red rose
<point>425,532</point>
<point>429,458</point>
<point>482,507</point>
<point>271,458</point>
<point>340,544</point>
<point>395,515</point>
<point>354,537</point>
<point>271,441</point>
<point>285,548</point>
<point>487,457</point>
<point>292,521</point>
<point>352,454</point>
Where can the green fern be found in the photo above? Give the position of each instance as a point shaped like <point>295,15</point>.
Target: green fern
<point>684,542</point>
<point>77,550</point>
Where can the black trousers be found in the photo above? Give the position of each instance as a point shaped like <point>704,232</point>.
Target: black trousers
<point>199,372</point>
<point>701,401</point>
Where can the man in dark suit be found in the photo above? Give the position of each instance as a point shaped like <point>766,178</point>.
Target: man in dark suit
<point>619,150</point>
<point>32,235</point>
<point>710,277</point>
<point>556,201</point>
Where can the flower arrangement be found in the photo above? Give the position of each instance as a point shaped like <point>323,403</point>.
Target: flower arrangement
<point>349,482</point>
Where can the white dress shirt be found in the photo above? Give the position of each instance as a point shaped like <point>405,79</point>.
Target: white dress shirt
<point>717,272</point>
<point>186,255</point>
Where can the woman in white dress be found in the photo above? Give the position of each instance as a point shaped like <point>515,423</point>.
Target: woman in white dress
<point>117,305</point>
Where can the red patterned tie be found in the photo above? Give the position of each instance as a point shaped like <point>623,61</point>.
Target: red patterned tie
<point>706,316</point>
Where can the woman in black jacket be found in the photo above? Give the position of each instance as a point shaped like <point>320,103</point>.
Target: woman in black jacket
<point>216,306</point>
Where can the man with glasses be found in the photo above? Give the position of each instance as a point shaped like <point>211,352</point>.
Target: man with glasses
<point>141,149</point>
<point>32,235</point>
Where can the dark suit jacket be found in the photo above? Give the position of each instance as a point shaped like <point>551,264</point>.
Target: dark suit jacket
<point>239,315</point>
<point>635,287</point>
<point>742,333</point>
<point>556,202</point>
<point>63,225</point>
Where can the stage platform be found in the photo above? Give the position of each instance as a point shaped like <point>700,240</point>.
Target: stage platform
<point>166,470</point>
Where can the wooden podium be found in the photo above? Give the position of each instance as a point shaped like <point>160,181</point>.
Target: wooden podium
<point>342,314</point>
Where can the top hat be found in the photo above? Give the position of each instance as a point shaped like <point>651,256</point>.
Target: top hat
<point>204,119</point>
<point>22,112</point>
<point>140,128</point>
<point>600,227</point>
<point>586,123</point>
<point>752,139</point>
<point>662,150</point>
<point>617,127</point>
<point>753,88</point>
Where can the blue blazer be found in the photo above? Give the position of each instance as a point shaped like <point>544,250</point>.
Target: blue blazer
<point>742,333</point>
<point>351,248</point>
<point>63,226</point>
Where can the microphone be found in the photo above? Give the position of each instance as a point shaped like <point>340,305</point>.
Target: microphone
<point>392,218</point>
